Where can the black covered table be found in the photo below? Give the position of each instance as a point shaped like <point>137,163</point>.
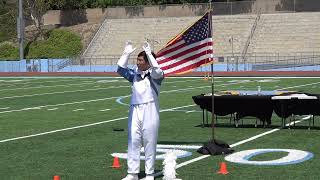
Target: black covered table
<point>285,106</point>
<point>259,106</point>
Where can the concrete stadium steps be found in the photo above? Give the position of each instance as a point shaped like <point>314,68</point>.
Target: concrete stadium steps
<point>115,32</point>
<point>287,33</point>
<point>279,34</point>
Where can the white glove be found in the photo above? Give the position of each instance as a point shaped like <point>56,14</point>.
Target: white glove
<point>128,49</point>
<point>152,60</point>
<point>146,47</point>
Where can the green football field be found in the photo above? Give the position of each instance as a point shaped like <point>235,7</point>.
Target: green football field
<point>65,126</point>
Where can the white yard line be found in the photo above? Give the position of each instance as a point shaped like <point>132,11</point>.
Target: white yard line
<point>31,83</point>
<point>193,111</point>
<point>170,82</point>
<point>62,104</point>
<point>94,100</point>
<point>299,86</point>
<point>52,109</point>
<point>119,100</point>
<point>61,92</point>
<point>4,108</point>
<point>61,77</point>
<point>102,110</point>
<point>185,77</point>
<point>77,127</point>
<point>78,110</point>
<point>41,86</point>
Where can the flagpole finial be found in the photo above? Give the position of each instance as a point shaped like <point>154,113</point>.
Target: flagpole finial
<point>210,5</point>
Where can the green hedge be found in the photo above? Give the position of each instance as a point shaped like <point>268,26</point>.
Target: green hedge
<point>8,15</point>
<point>60,44</point>
<point>8,52</point>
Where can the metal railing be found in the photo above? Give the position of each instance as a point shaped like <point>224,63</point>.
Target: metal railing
<point>252,31</point>
<point>231,62</point>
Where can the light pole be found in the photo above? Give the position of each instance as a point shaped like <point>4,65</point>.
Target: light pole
<point>232,53</point>
<point>20,29</point>
<point>231,43</point>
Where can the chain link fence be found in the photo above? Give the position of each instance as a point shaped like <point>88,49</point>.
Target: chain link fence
<point>305,61</point>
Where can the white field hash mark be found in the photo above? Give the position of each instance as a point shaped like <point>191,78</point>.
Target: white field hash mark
<point>102,99</point>
<point>82,126</point>
<point>78,110</point>
<point>52,109</point>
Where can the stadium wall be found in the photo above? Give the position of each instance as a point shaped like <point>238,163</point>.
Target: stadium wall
<point>72,17</point>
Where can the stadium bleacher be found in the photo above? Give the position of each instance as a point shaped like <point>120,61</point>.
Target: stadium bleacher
<point>281,34</point>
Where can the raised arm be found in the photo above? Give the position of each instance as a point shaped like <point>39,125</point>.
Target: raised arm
<point>156,72</point>
<point>123,69</point>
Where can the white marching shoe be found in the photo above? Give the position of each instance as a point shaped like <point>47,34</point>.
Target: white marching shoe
<point>131,177</point>
<point>149,177</point>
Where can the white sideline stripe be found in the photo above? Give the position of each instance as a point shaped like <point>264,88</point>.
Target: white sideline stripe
<point>42,86</point>
<point>190,111</point>
<point>61,92</point>
<point>60,77</point>
<point>59,130</point>
<point>5,108</point>
<point>104,110</point>
<point>184,77</point>
<point>299,86</point>
<point>174,90</point>
<point>166,146</point>
<point>53,105</point>
<point>171,82</point>
<point>32,83</point>
<point>52,109</point>
<point>235,144</point>
<point>77,127</point>
<point>78,110</point>
<point>268,132</point>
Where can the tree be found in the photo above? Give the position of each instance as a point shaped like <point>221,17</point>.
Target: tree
<point>35,9</point>
<point>8,22</point>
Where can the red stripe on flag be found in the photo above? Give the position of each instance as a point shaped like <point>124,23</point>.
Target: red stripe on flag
<point>185,52</point>
<point>187,59</point>
<point>190,67</point>
<point>161,53</point>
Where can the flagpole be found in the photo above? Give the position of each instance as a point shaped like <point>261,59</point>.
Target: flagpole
<point>213,146</point>
<point>212,80</point>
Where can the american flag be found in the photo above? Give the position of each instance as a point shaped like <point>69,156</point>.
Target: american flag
<point>189,49</point>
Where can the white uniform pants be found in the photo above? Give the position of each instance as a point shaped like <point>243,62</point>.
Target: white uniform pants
<point>143,128</point>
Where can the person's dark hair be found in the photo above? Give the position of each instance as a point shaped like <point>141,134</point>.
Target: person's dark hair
<point>143,53</point>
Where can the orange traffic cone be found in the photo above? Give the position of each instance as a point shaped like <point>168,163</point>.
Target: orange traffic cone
<point>56,177</point>
<point>116,163</point>
<point>223,168</point>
